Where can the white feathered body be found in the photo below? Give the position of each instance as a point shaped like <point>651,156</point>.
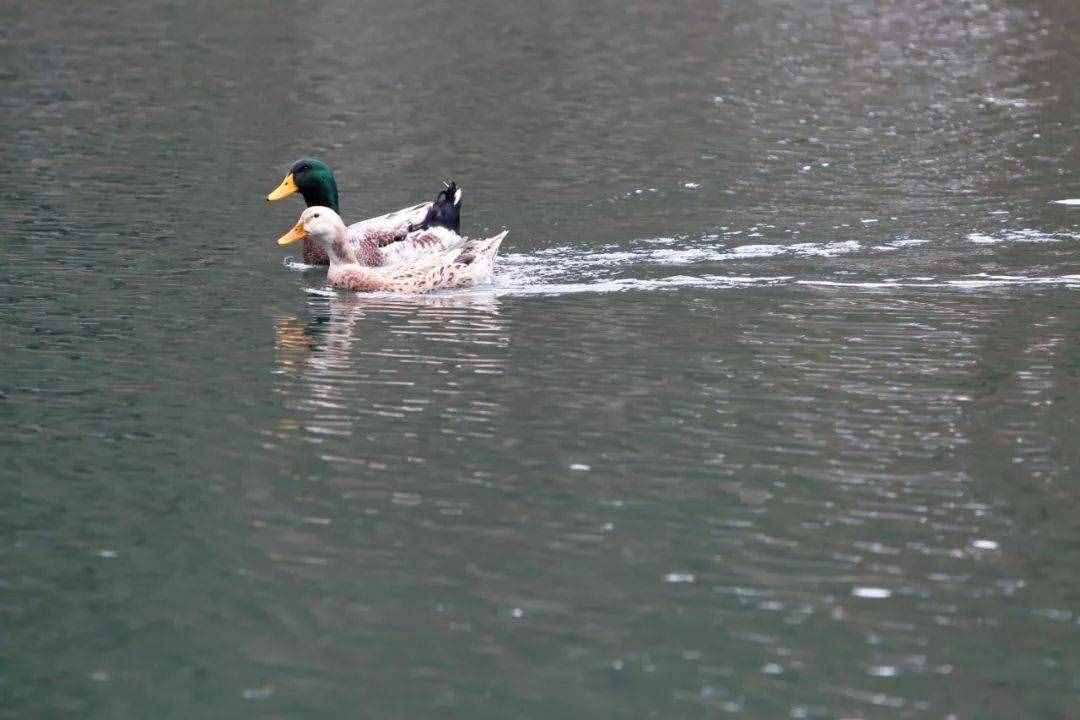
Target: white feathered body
<point>425,260</point>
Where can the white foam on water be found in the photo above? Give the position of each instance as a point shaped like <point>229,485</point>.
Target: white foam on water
<point>752,251</point>
<point>518,284</point>
<point>967,282</point>
<point>635,284</point>
<point>564,270</point>
<point>1015,103</point>
<point>989,281</point>
<point>825,249</point>
<point>560,249</point>
<point>295,265</point>
<point>679,577</point>
<point>871,593</point>
<point>1071,202</point>
<point>1024,235</point>
<point>689,256</point>
<point>559,262</point>
<point>900,244</point>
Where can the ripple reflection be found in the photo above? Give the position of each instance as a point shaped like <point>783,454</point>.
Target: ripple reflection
<point>357,360</point>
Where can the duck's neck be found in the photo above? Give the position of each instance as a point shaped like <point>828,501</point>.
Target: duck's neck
<point>343,252</point>
<point>357,252</point>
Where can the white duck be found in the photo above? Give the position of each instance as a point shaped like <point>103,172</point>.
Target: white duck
<point>424,260</point>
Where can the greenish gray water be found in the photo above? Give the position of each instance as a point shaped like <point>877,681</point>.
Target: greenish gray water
<point>769,411</point>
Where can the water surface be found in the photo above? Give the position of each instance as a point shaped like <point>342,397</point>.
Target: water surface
<point>769,411</point>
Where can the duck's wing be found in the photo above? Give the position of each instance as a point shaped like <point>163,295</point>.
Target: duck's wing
<point>391,227</point>
<point>450,256</point>
<point>419,246</point>
<point>444,212</point>
<point>470,262</point>
<point>467,263</point>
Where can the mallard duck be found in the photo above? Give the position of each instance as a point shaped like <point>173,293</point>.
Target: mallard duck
<point>314,180</point>
<point>426,259</point>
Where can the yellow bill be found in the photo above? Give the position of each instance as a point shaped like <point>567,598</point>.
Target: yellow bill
<point>284,190</point>
<point>295,235</point>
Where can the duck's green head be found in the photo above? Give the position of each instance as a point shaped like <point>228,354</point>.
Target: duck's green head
<point>312,179</point>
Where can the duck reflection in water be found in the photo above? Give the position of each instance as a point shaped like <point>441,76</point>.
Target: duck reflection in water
<point>395,358</point>
<point>335,321</point>
<point>387,413</point>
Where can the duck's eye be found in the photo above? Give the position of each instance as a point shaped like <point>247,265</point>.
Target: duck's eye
<point>316,214</point>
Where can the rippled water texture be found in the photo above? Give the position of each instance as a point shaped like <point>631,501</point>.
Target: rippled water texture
<point>770,410</point>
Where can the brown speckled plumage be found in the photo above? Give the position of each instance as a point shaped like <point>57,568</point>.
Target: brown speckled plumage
<point>367,253</point>
<point>384,236</point>
<point>426,260</point>
<point>313,254</point>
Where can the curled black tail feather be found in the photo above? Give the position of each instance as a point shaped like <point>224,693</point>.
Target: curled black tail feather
<point>445,210</point>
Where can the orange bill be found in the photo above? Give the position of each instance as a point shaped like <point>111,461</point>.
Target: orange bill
<point>295,235</point>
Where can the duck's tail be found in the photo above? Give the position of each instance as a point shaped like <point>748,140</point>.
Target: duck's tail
<point>479,255</point>
<point>445,210</point>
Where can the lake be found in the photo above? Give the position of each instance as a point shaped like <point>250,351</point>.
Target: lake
<point>770,409</point>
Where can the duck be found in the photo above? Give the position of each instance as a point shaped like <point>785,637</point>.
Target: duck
<point>314,180</point>
<point>426,259</point>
